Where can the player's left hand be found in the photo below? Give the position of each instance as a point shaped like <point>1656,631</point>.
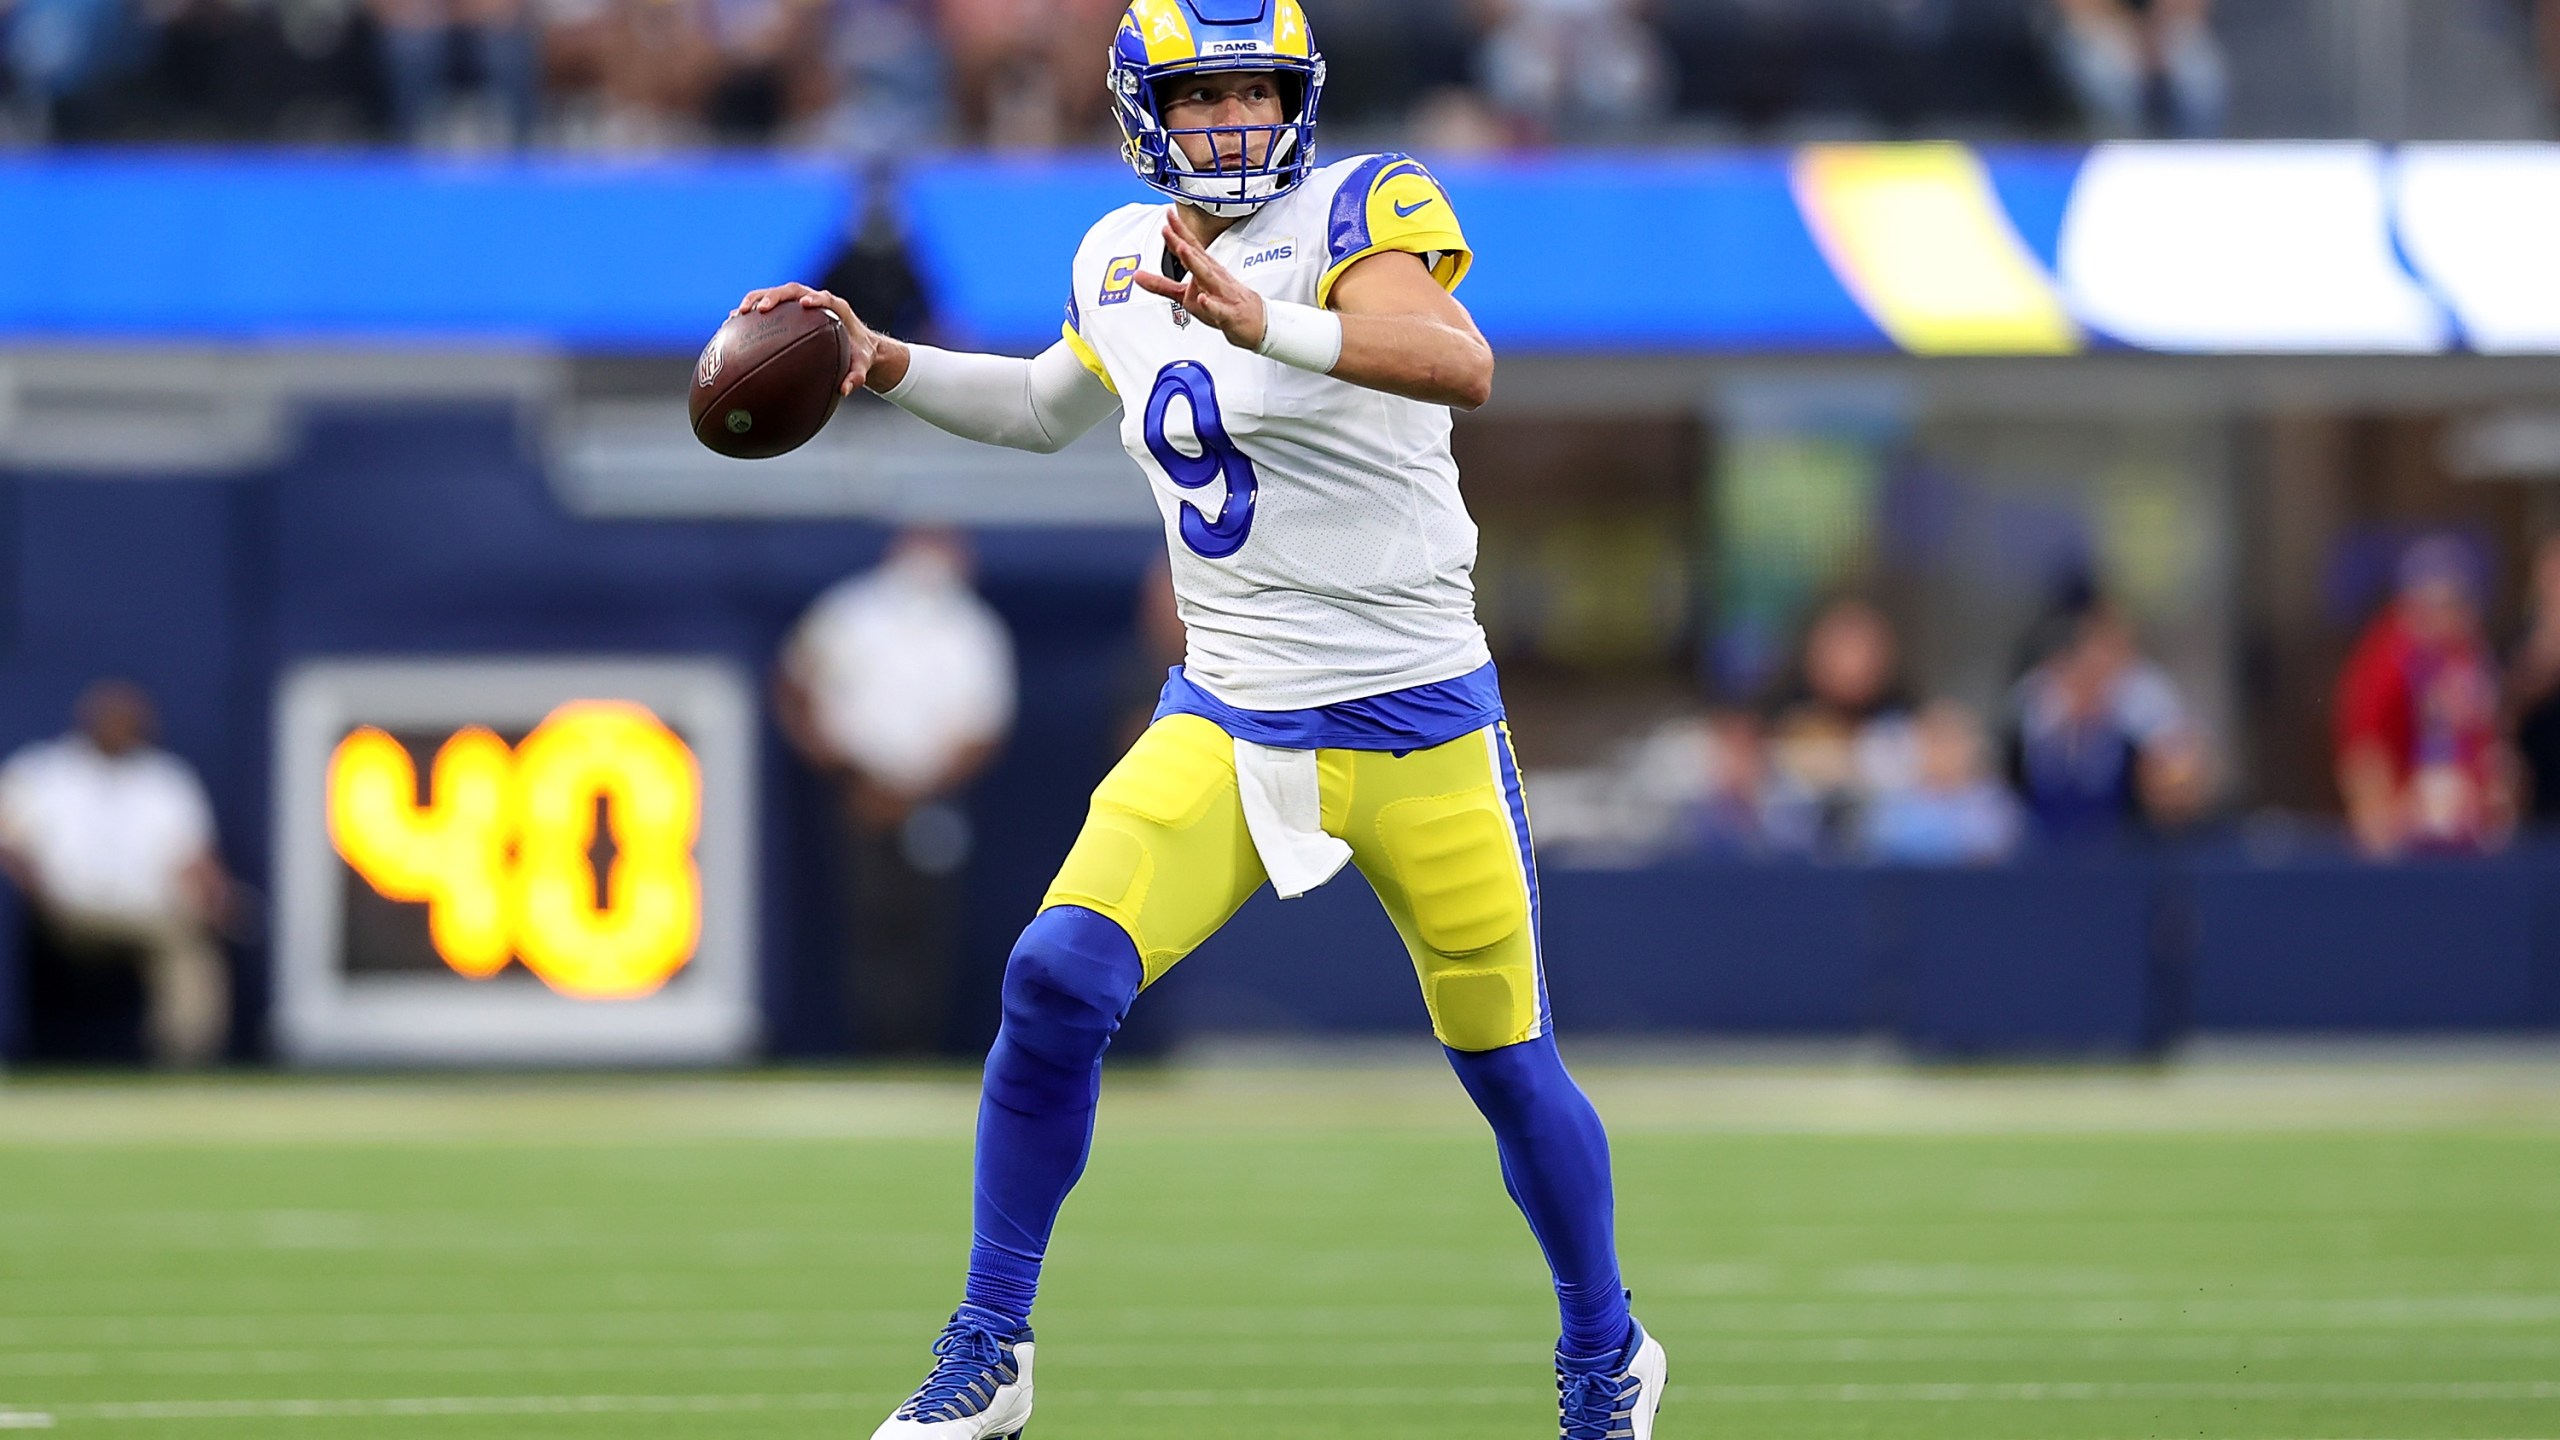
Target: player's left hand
<point>1210,292</point>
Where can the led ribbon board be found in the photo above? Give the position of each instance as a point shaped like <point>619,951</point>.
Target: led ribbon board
<point>519,861</point>
<point>1933,248</point>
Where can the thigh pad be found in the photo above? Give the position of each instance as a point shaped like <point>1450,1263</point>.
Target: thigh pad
<point>1441,840</point>
<point>1164,850</point>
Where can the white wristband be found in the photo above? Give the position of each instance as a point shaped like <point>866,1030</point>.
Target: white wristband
<point>1301,335</point>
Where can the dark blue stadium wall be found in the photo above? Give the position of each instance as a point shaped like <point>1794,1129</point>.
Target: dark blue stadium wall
<point>2109,955</point>
<point>430,530</point>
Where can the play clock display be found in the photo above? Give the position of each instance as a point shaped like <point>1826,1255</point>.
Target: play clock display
<point>514,861</point>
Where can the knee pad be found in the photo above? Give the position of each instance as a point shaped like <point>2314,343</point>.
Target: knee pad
<point>1071,978</point>
<point>1508,1081</point>
<point>1073,972</point>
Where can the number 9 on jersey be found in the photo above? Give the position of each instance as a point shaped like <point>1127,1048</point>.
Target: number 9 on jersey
<point>1218,459</point>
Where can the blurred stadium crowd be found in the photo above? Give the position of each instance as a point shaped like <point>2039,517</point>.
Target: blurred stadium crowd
<point>2439,747</point>
<point>883,76</point>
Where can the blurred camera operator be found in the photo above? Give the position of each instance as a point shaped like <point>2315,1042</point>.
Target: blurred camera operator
<point>111,840</point>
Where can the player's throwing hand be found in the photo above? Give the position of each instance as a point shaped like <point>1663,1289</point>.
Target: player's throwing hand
<point>865,343</point>
<point>1211,293</point>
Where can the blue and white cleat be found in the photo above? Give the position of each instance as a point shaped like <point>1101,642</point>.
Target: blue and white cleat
<point>1616,1403</point>
<point>980,1388</point>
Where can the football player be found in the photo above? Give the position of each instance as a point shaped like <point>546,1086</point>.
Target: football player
<point>1283,349</point>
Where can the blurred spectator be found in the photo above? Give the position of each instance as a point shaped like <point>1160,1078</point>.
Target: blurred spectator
<point>2420,764</point>
<point>1741,805</point>
<point>1027,74</point>
<point>2128,60</point>
<point>2533,695</point>
<point>773,67</point>
<point>1731,784</point>
<point>54,50</point>
<point>225,70</point>
<point>899,687</point>
<point>1573,69</point>
<point>1952,812</point>
<point>1698,783</point>
<point>632,74</point>
<point>429,46</point>
<point>112,842</point>
<point>885,80</point>
<point>876,271</point>
<point>1842,729</point>
<point>2101,744</point>
<point>1453,120</point>
<point>871,77</point>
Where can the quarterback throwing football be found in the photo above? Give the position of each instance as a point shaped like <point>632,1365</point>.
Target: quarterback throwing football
<point>1283,349</point>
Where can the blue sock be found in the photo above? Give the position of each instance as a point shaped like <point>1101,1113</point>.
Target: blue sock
<point>1555,1163</point>
<point>1071,978</point>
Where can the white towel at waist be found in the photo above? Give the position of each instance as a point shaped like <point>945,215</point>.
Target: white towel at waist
<point>1284,813</point>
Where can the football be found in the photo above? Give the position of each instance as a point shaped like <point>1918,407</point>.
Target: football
<point>768,380</point>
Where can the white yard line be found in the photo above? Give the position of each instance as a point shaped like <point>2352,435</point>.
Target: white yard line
<point>423,1326</point>
<point>458,1406</point>
<point>238,1361</point>
<point>450,1406</point>
<point>1809,1321</point>
<point>2487,1391</point>
<point>2421,1391</point>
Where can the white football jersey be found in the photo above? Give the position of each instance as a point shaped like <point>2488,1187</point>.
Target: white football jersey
<point>1320,550</point>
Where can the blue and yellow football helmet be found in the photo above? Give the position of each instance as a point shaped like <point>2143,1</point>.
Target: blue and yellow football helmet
<point>1160,40</point>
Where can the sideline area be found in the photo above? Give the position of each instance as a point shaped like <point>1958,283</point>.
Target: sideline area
<point>1827,1090</point>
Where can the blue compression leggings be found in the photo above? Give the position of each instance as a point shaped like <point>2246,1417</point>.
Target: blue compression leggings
<point>1069,983</point>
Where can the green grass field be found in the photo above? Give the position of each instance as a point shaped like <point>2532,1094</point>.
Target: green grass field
<point>2300,1251</point>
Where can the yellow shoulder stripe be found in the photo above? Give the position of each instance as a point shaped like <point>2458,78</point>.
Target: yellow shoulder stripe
<point>1084,352</point>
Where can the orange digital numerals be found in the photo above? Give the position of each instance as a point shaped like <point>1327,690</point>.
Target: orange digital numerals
<point>499,854</point>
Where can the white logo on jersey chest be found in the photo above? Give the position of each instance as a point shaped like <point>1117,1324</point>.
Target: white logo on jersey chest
<point>1265,252</point>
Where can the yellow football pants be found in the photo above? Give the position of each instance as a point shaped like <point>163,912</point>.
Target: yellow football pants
<point>1442,835</point>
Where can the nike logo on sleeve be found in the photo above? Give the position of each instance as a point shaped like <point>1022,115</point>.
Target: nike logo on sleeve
<point>1406,211</point>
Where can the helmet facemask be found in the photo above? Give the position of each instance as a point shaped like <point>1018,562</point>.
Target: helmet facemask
<point>1229,191</point>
